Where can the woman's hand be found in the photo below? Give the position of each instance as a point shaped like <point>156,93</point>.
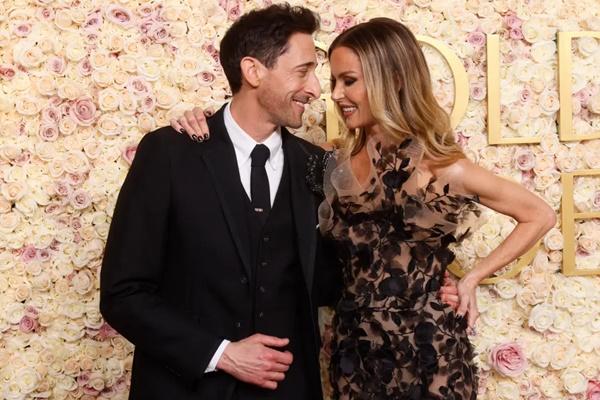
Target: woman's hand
<point>467,300</point>
<point>193,123</point>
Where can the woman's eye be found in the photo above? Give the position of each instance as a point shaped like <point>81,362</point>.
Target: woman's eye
<point>349,82</point>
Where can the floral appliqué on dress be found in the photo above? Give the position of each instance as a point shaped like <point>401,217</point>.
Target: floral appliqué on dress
<point>393,338</point>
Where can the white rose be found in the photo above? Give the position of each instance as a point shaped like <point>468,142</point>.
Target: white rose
<point>67,125</point>
<point>146,122</point>
<point>543,52</point>
<point>574,381</point>
<point>28,105</point>
<point>13,312</point>
<point>103,78</point>
<point>507,289</point>
<point>108,99</point>
<point>109,124</point>
<point>148,68</point>
<point>553,239</point>
<point>507,390</point>
<point>562,322</point>
<point>69,90</point>
<point>594,104</point>
<point>549,102</point>
<point>562,355</point>
<point>75,51</point>
<point>27,379</point>
<point>587,46</point>
<point>167,97</point>
<point>541,317</point>
<point>46,85</point>
<point>541,355</point>
<point>28,54</point>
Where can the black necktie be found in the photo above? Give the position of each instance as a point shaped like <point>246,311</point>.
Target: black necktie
<point>259,183</point>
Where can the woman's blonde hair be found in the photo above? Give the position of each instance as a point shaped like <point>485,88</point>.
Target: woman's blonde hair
<point>399,89</point>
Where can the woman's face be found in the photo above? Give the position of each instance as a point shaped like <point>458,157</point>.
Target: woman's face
<point>348,89</point>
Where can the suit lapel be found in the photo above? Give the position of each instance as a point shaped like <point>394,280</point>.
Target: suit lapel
<point>219,156</point>
<point>303,206</point>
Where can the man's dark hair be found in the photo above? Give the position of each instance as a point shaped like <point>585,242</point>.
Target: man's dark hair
<point>262,34</point>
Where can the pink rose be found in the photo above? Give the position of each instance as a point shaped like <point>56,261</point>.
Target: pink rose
<point>596,200</point>
<point>343,23</point>
<point>32,312</point>
<point>525,95</point>
<point>106,332</point>
<point>593,390</point>
<point>508,359</point>
<point>524,159</point>
<point>93,22</point>
<point>7,71</point>
<point>56,65</point>
<point>478,92</point>
<point>84,67</point>
<point>234,12</point>
<point>29,254</point>
<point>138,86</point>
<point>80,199</point>
<point>119,15</point>
<point>51,114</point>
<point>206,78</point>
<point>129,153</point>
<point>147,104</point>
<point>48,132</point>
<point>512,21</point>
<point>27,324</point>
<point>146,11</point>
<point>516,34</point>
<point>83,111</point>
<point>476,39</point>
<point>44,254</point>
<point>23,29</point>
<point>46,14</point>
<point>159,33</point>
<point>62,188</point>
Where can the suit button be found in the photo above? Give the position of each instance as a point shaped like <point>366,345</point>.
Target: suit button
<point>261,314</point>
<point>264,263</point>
<point>238,324</point>
<point>262,289</point>
<point>266,238</point>
<point>243,280</point>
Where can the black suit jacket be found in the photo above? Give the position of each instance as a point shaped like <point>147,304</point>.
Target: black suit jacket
<point>177,255</point>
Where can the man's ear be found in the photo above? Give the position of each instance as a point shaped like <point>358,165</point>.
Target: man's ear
<point>253,71</point>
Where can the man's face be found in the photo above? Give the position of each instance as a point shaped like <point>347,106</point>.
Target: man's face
<point>291,82</point>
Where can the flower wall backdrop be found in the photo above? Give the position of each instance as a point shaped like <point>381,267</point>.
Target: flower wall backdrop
<point>81,81</point>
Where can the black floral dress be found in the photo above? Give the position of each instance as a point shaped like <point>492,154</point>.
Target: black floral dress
<point>393,338</point>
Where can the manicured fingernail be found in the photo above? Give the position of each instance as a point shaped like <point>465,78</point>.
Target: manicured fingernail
<point>205,136</point>
<point>194,138</point>
<point>182,131</point>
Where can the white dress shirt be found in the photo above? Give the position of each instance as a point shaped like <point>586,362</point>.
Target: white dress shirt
<point>243,145</point>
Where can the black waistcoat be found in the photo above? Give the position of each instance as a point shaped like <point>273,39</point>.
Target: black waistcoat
<point>278,292</point>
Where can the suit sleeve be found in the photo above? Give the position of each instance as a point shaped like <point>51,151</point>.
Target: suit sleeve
<point>328,273</point>
<point>134,261</point>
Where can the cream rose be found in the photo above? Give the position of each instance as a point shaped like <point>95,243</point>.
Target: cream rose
<point>541,317</point>
<point>573,381</point>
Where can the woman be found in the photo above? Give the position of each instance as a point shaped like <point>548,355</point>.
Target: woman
<point>395,192</point>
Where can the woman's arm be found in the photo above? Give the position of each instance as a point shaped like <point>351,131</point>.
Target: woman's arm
<point>534,218</point>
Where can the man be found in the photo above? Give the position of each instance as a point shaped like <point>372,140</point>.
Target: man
<point>219,295</point>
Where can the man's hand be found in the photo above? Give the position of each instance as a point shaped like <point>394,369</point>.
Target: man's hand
<point>449,292</point>
<point>253,360</point>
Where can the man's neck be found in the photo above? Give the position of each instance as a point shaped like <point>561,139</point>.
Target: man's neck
<point>250,116</point>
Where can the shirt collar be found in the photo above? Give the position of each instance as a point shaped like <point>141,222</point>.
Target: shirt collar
<point>244,144</point>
